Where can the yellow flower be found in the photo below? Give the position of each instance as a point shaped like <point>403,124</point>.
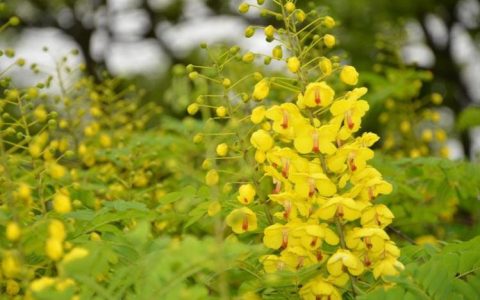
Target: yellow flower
<point>272,263</point>
<point>211,178</point>
<point>318,94</point>
<point>56,230</point>
<point>329,22</point>
<point>377,216</point>
<point>289,7</point>
<point>41,284</point>
<point>371,238</point>
<point>312,236</point>
<point>261,140</point>
<point>13,231</point>
<point>61,202</point>
<point>75,254</point>
<point>246,193</point>
<point>312,182</point>
<point>222,149</point>
<point>242,220</point>
<point>285,117</point>
<point>343,208</point>
<point>427,135</point>
<point>319,288</point>
<point>342,261</point>
<point>310,139</point>
<point>277,52</point>
<point>221,111</point>
<point>54,249</point>
<point>329,40</point>
<point>353,157</point>
<point>193,108</point>
<point>349,75</point>
<point>405,126</point>
<point>40,113</point>
<point>12,287</point>
<point>269,31</point>
<point>276,236</point>
<point>325,65</point>
<point>297,257</point>
<point>261,90</point>
<point>56,170</point>
<point>11,265</point>
<point>258,114</point>
<point>387,267</point>
<point>293,64</point>
<point>24,192</point>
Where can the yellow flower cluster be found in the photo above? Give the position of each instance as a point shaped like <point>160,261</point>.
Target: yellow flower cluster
<point>323,199</point>
<point>325,189</point>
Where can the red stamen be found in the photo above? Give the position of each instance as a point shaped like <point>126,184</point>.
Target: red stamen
<point>370,192</point>
<point>340,211</point>
<point>350,123</point>
<point>316,146</point>
<point>285,120</point>
<point>284,239</point>
<point>318,100</point>
<point>245,223</point>
<point>313,243</point>
<point>319,255</point>
<point>286,167</point>
<point>288,209</point>
<point>278,186</point>
<point>300,262</point>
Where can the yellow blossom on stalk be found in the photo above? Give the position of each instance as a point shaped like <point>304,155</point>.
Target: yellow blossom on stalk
<point>319,288</point>
<point>349,75</point>
<point>343,261</point>
<point>317,94</point>
<point>325,66</point>
<point>329,40</point>
<point>11,265</point>
<point>258,114</point>
<point>261,140</point>
<point>242,220</point>
<point>211,178</point>
<point>222,149</point>
<point>246,193</point>
<point>261,90</point>
<point>321,210</point>
<point>293,64</point>
<point>339,207</point>
<point>61,202</point>
<point>13,231</point>
<point>54,249</point>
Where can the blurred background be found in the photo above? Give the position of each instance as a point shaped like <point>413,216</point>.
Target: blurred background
<point>143,39</point>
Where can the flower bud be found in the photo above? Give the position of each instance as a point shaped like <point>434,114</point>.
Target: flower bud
<point>289,7</point>
<point>211,178</point>
<point>277,52</point>
<point>349,75</point>
<point>221,111</point>
<point>249,31</point>
<point>329,40</point>
<point>193,109</point>
<point>325,65</point>
<point>261,90</point>
<point>222,149</point>
<point>248,57</point>
<point>293,64</point>
<point>329,22</point>
<point>269,32</point>
<point>13,231</point>
<point>300,15</point>
<point>243,8</point>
